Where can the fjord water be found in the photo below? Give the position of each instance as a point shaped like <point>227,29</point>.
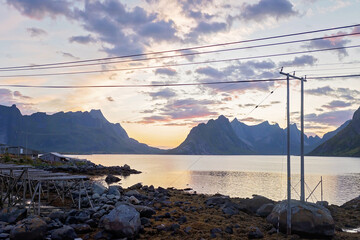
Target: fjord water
<point>241,176</point>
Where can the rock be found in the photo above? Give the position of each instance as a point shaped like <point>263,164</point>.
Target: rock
<point>132,193</point>
<point>98,188</point>
<point>160,227</point>
<point>103,235</point>
<point>307,218</point>
<point>82,216</point>
<point>182,220</point>
<point>114,190</point>
<point>111,179</point>
<point>81,228</point>
<point>64,233</point>
<point>12,214</point>
<point>231,208</point>
<point>272,231</point>
<point>145,221</point>
<point>215,230</point>
<point>135,186</point>
<point>265,210</point>
<point>30,228</point>
<point>229,230</point>
<point>217,200</point>
<point>145,211</point>
<point>187,230</point>
<point>256,202</point>
<point>4,235</point>
<point>255,233</point>
<point>174,227</point>
<point>323,203</point>
<point>134,200</point>
<point>95,196</point>
<point>123,221</point>
<point>57,215</point>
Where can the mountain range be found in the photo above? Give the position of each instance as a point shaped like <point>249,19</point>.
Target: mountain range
<point>345,143</point>
<point>71,132</point>
<point>90,132</point>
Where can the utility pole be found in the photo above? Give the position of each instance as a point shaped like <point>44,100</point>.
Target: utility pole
<point>302,178</point>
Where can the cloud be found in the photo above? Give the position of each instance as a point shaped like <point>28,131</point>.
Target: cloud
<point>36,32</point>
<point>166,71</point>
<point>8,98</point>
<point>334,42</point>
<point>268,9</point>
<point>38,9</point>
<point>82,39</point>
<point>205,28</point>
<point>110,99</point>
<point>333,118</point>
<point>67,55</point>
<point>164,93</point>
<point>159,31</point>
<point>345,93</point>
<point>210,72</point>
<point>300,61</point>
<point>336,104</point>
<point>252,120</point>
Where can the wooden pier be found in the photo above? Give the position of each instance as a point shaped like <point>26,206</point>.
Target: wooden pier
<point>30,187</point>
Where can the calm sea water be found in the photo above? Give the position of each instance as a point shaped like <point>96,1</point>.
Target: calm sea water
<point>242,176</point>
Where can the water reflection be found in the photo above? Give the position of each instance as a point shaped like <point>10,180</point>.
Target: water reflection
<point>242,176</point>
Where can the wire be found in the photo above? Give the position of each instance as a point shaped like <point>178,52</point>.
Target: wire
<point>170,85</point>
<point>190,48</point>
<point>177,64</point>
<point>258,105</point>
<point>143,85</point>
<point>178,55</point>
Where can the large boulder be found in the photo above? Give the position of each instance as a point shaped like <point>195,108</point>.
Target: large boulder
<point>64,233</point>
<point>30,228</point>
<point>12,214</point>
<point>306,218</point>
<point>98,188</point>
<point>111,179</point>
<point>256,202</point>
<point>123,221</point>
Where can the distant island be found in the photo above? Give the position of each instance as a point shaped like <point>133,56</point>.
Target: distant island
<point>91,132</point>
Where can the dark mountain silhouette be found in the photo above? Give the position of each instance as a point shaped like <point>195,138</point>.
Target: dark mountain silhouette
<point>214,137</point>
<point>71,132</point>
<point>345,142</point>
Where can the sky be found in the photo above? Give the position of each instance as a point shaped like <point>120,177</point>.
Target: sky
<point>38,32</point>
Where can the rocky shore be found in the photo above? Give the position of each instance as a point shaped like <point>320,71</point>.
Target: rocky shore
<point>145,212</point>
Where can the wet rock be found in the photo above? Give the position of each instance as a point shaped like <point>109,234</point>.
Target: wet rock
<point>114,190</point>
<point>307,218</point>
<point>12,214</point>
<point>265,210</point>
<point>123,221</point>
<point>111,179</point>
<point>255,233</point>
<point>30,228</point>
<point>98,188</point>
<point>64,233</point>
<point>135,186</point>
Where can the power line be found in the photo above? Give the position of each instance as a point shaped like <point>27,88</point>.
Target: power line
<point>178,64</point>
<point>184,49</point>
<point>178,55</point>
<point>169,85</point>
<point>143,85</point>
